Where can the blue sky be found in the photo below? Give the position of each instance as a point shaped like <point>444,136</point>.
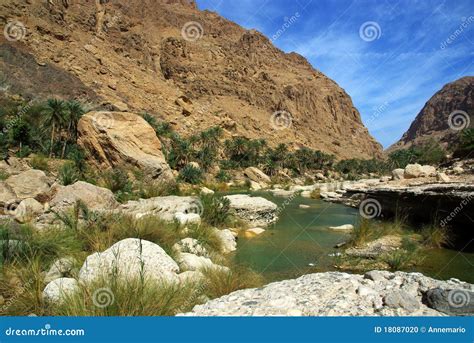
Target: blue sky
<point>389,75</point>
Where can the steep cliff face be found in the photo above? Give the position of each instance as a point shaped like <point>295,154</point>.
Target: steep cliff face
<point>192,68</point>
<point>443,116</point>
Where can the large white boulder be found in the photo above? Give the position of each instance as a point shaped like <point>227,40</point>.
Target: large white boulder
<point>129,259</point>
<point>398,174</point>
<point>428,170</point>
<point>28,210</point>
<point>413,171</point>
<point>256,211</point>
<point>58,290</point>
<point>227,239</point>
<point>28,184</point>
<point>94,197</point>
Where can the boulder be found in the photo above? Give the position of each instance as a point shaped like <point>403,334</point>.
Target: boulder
<point>401,299</point>
<point>255,186</point>
<point>114,139</point>
<point>442,177</point>
<point>256,175</point>
<point>28,184</point>
<point>7,198</point>
<point>58,290</point>
<point>254,232</point>
<point>451,301</point>
<point>206,191</point>
<point>345,227</point>
<point>187,218</point>
<point>458,170</point>
<point>320,176</point>
<point>60,268</point>
<point>28,210</point>
<point>191,262</point>
<point>129,259</point>
<point>94,197</point>
<point>163,207</point>
<point>413,171</point>
<point>428,170</point>
<point>256,211</point>
<point>382,245</point>
<point>190,245</point>
<point>227,239</point>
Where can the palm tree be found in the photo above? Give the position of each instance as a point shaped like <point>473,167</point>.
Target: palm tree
<point>55,118</point>
<point>74,113</point>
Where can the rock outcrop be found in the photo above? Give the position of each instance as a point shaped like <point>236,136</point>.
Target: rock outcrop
<point>438,117</point>
<point>377,293</point>
<point>256,211</point>
<point>116,139</point>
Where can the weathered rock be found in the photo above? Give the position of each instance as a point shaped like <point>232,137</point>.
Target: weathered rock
<point>398,174</point>
<point>256,175</point>
<point>331,294</point>
<point>60,268</point>
<point>190,245</point>
<point>94,197</point>
<point>282,193</point>
<point>376,248</point>
<point>345,227</point>
<point>7,199</point>
<point>255,186</point>
<point>58,290</point>
<point>191,262</point>
<point>163,207</point>
<point>451,301</point>
<point>413,171</point>
<point>253,232</point>
<point>29,184</point>
<point>254,210</point>
<point>442,177</point>
<point>28,210</point>
<point>187,218</point>
<point>428,170</point>
<point>130,258</point>
<point>115,139</point>
<point>227,239</point>
<point>401,299</point>
<point>458,170</point>
<point>206,191</point>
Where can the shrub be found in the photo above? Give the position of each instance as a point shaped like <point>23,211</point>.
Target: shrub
<point>435,237</point>
<point>68,174</point>
<point>223,176</point>
<point>39,162</point>
<point>190,174</point>
<point>117,181</point>
<point>215,209</point>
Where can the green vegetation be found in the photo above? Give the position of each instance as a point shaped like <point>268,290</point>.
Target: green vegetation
<point>428,153</point>
<point>215,210</point>
<point>190,174</point>
<point>465,147</point>
<point>83,232</point>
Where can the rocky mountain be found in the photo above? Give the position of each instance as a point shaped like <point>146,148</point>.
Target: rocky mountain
<point>443,117</point>
<point>191,68</point>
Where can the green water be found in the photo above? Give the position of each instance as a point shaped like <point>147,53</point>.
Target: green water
<point>301,237</point>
